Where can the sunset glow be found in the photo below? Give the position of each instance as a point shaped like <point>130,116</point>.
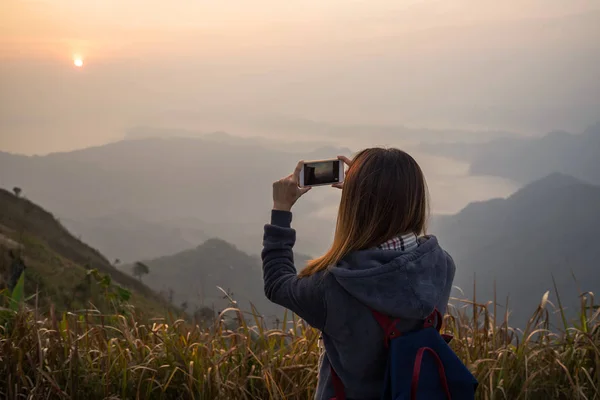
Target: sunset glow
<point>78,62</point>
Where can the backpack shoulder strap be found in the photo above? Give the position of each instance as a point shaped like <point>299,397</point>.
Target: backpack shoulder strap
<point>386,322</point>
<point>391,331</point>
<point>434,318</point>
<point>389,326</point>
<point>338,386</point>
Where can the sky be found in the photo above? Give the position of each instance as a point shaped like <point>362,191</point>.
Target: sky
<point>523,65</point>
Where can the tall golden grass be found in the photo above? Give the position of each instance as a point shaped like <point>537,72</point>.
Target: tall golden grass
<point>86,355</point>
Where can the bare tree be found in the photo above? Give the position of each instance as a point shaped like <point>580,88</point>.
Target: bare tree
<point>140,269</point>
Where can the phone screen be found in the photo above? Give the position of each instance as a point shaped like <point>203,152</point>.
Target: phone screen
<point>321,173</point>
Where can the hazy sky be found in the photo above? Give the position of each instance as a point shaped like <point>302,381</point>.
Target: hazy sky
<point>525,65</point>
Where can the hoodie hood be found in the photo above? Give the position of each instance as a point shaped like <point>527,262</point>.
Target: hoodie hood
<point>399,284</point>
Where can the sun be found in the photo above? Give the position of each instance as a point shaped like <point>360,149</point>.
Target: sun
<point>78,62</point>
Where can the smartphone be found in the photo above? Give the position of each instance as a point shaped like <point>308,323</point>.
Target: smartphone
<point>322,172</point>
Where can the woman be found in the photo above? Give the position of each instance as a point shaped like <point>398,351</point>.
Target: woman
<point>377,262</point>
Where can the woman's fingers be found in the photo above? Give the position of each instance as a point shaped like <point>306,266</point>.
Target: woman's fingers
<point>286,190</point>
<point>346,160</point>
<point>296,174</point>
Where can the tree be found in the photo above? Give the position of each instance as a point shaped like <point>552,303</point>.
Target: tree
<point>17,191</point>
<point>140,269</point>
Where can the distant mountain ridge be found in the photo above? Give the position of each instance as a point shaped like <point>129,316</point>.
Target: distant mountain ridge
<point>525,160</point>
<point>325,144</point>
<point>225,188</point>
<point>193,276</point>
<point>129,238</point>
<point>548,228</point>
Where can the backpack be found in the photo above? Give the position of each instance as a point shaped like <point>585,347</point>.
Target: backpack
<point>420,364</point>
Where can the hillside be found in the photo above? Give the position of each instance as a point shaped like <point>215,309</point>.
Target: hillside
<point>546,228</point>
<point>193,275</point>
<point>57,262</point>
<point>527,159</point>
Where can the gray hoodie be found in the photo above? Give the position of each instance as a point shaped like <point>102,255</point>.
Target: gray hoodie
<point>405,285</point>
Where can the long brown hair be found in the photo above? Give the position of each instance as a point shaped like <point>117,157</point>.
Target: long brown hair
<point>384,195</point>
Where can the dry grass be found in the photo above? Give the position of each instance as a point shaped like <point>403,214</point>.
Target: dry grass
<point>92,356</point>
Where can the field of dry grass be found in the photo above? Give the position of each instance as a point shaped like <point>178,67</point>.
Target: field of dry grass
<point>87,355</point>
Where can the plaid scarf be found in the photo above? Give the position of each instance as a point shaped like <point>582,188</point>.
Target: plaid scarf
<point>406,242</point>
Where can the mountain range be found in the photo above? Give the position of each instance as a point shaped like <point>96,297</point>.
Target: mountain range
<point>526,159</point>
<point>193,278</point>
<point>166,194</point>
<point>515,246</point>
<point>161,200</point>
<point>511,248</point>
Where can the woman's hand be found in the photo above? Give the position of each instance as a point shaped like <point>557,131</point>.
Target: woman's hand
<point>348,162</point>
<point>286,191</point>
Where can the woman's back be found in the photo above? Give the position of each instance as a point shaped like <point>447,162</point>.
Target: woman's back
<point>405,285</point>
<point>400,284</point>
